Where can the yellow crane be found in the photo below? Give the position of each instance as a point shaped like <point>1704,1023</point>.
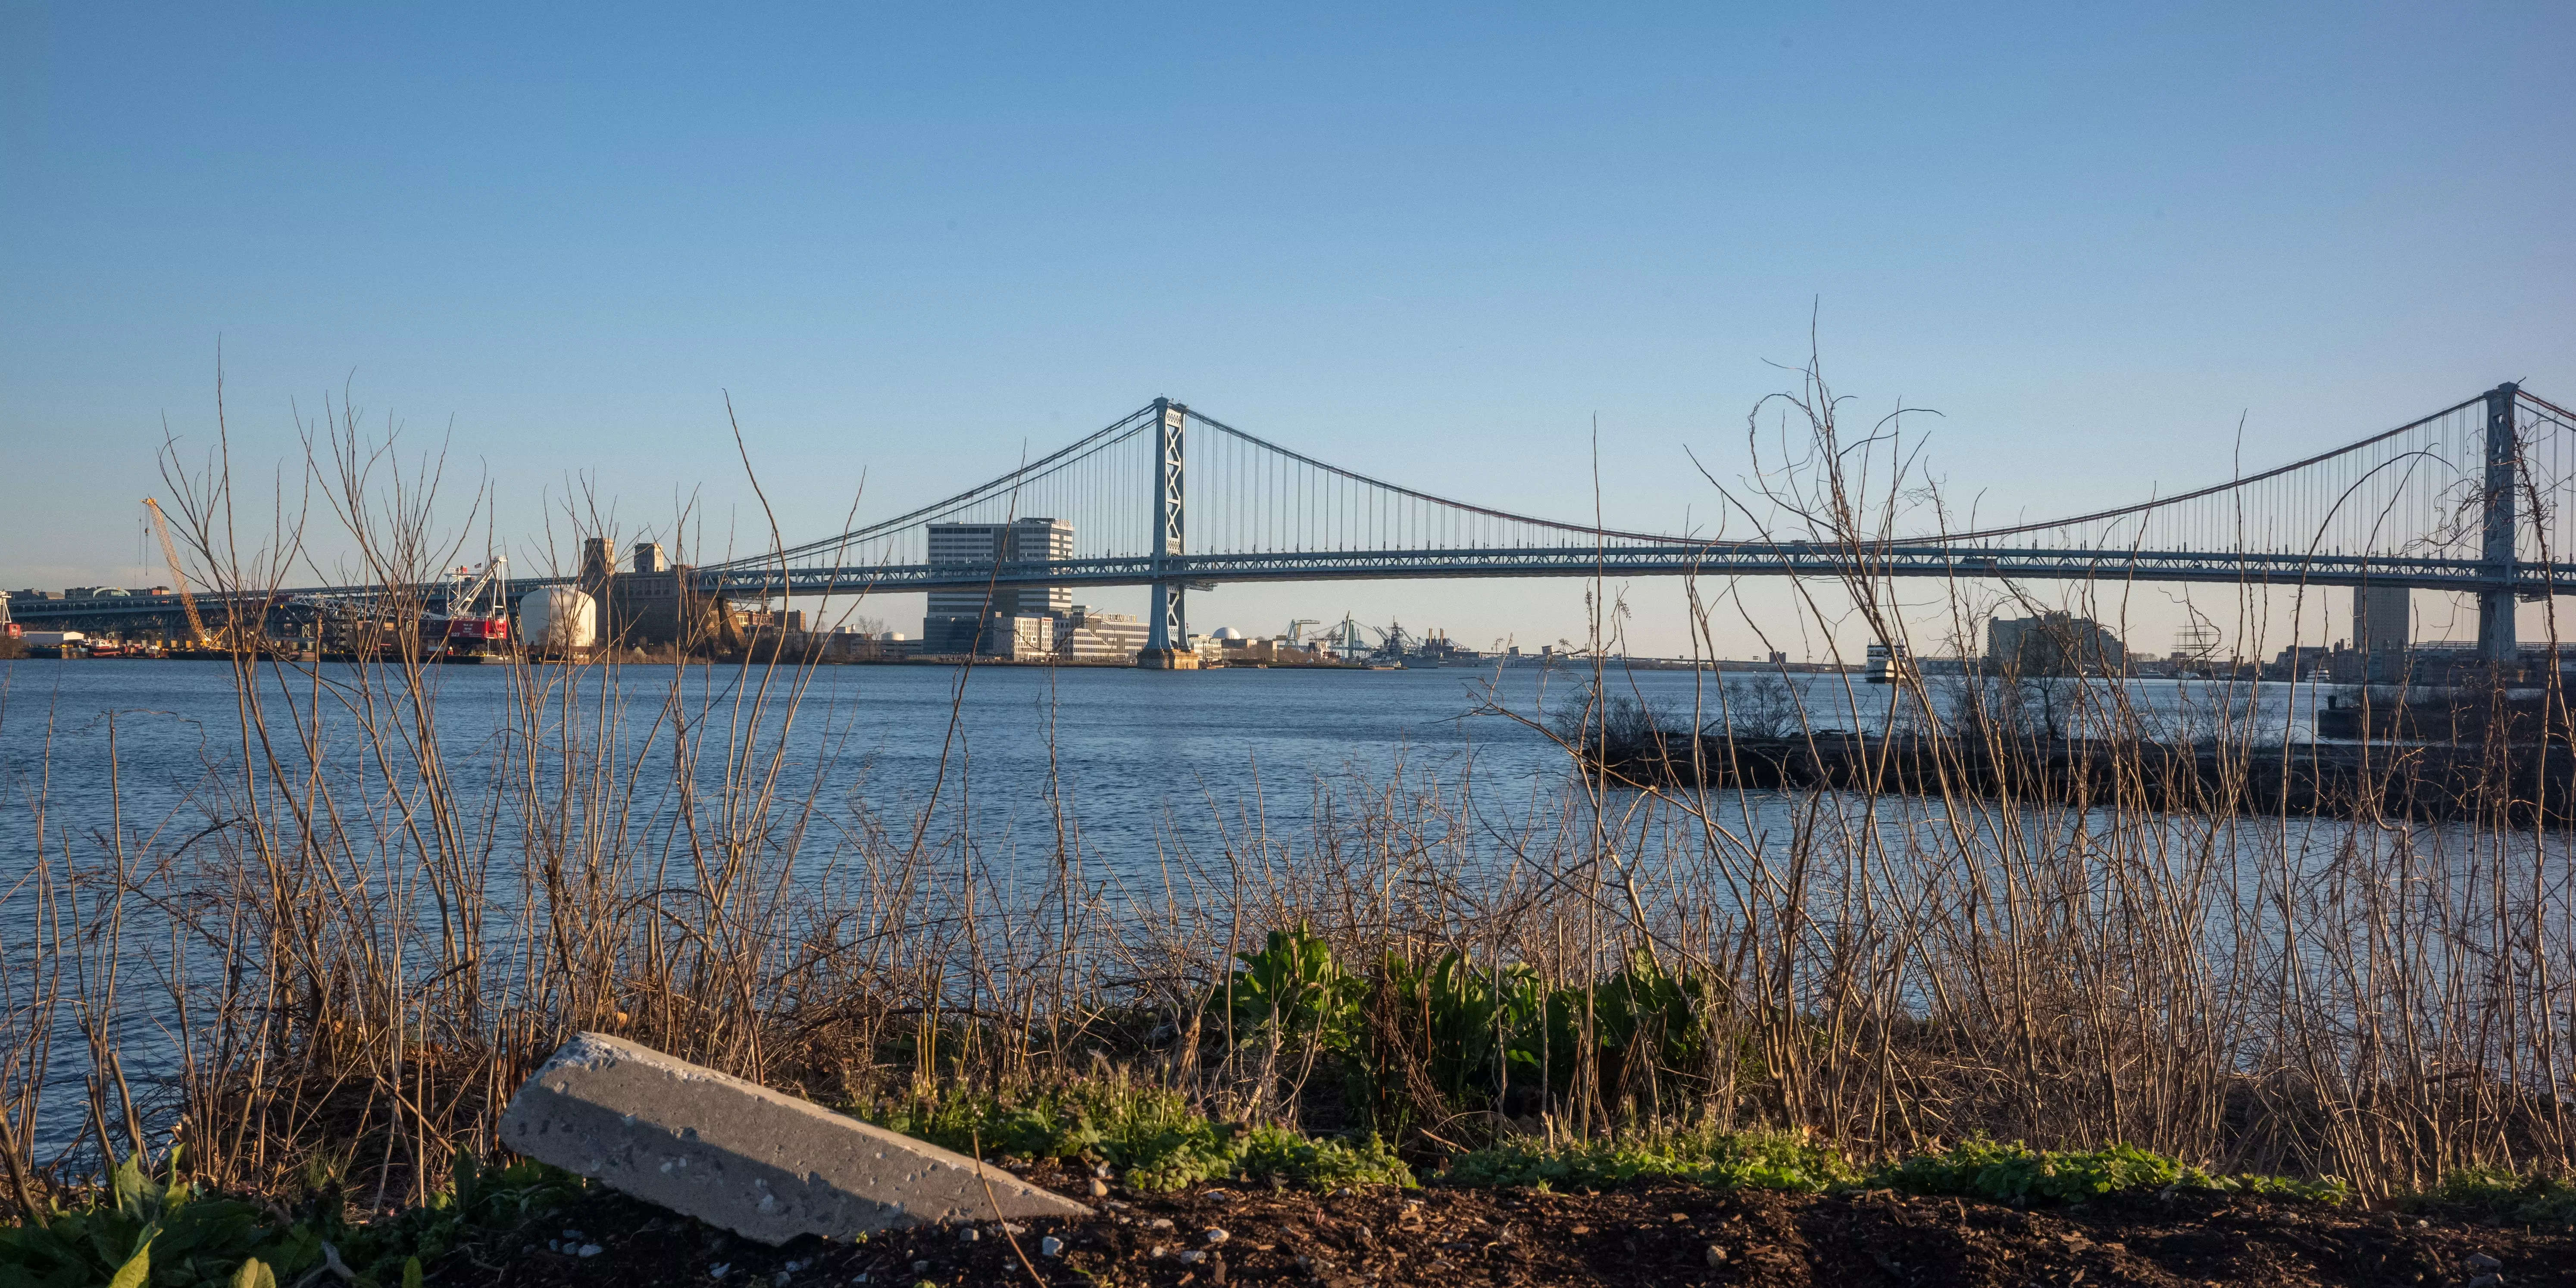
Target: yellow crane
<point>179,579</point>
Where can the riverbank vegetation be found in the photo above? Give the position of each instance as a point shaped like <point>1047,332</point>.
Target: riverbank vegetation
<point>366,923</point>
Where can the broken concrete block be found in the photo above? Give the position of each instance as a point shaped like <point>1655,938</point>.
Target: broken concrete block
<point>737,1155</point>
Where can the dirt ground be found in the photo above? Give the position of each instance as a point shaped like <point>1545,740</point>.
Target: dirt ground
<point>1650,1235</point>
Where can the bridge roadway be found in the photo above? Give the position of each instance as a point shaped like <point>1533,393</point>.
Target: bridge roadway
<point>2530,581</point>
<point>2476,454</point>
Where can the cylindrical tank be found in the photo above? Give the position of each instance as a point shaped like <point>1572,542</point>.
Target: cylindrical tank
<point>558,620</point>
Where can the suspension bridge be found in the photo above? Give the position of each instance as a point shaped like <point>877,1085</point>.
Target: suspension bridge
<point>2471,498</point>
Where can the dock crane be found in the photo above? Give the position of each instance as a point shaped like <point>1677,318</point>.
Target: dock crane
<point>202,638</point>
<point>465,631</point>
<point>1345,640</point>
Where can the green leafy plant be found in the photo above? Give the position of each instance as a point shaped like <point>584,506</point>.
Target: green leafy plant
<point>1275,1153</point>
<point>1294,988</point>
<point>2525,1198</point>
<point>1725,1160</point>
<point>2016,1173</point>
<point>1644,1021</point>
<point>1151,1137</point>
<point>146,1230</point>
<point>1464,1025</point>
<point>166,1235</point>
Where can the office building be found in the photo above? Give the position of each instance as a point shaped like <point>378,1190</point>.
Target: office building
<point>1084,634</point>
<point>2382,630</point>
<point>955,621</point>
<point>1018,639</point>
<point>2052,644</point>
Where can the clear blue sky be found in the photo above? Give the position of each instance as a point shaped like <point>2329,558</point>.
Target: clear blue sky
<point>1432,244</point>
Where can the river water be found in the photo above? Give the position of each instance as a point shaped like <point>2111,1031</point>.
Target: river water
<point>1142,757</point>
<point>123,754</point>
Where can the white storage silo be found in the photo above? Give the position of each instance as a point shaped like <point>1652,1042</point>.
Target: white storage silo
<point>558,621</point>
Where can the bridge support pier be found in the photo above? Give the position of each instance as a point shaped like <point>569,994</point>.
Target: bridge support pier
<point>2496,643</point>
<point>1167,633</point>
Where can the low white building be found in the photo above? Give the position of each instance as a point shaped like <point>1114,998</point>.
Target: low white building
<point>1084,634</point>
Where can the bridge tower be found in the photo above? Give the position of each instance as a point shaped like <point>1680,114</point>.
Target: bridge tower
<point>2496,643</point>
<point>1167,634</point>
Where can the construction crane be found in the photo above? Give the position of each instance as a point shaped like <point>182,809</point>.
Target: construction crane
<point>179,582</point>
<point>1293,626</point>
<point>466,631</point>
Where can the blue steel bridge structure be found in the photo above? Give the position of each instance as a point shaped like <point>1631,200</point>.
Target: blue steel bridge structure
<point>2473,498</point>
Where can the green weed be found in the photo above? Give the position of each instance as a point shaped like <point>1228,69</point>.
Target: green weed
<point>166,1235</point>
<point>2523,1198</point>
<point>1151,1137</point>
<point>2016,1173</point>
<point>1457,1032</point>
<point>1295,988</point>
<point>1722,1160</point>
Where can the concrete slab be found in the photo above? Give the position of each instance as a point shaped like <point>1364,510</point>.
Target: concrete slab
<point>738,1155</point>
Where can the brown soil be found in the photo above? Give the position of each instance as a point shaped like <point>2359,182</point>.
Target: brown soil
<point>1652,1235</point>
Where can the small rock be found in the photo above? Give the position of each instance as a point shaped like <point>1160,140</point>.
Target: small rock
<point>1008,1228</point>
<point>1716,1256</point>
<point>2481,1261</point>
<point>1099,1188</point>
<point>921,1267</point>
<point>780,1279</point>
<point>1050,1246</point>
<point>1219,1196</point>
<point>1214,1236</point>
<point>572,1236</point>
<point>1192,1257</point>
<point>719,1270</point>
<point>1159,1223</point>
<point>587,1250</point>
<point>1101,1170</point>
<point>2488,1280</point>
<point>968,1235</point>
<point>1157,1253</point>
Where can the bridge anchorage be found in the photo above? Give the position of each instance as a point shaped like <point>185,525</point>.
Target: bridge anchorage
<point>2471,499</point>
